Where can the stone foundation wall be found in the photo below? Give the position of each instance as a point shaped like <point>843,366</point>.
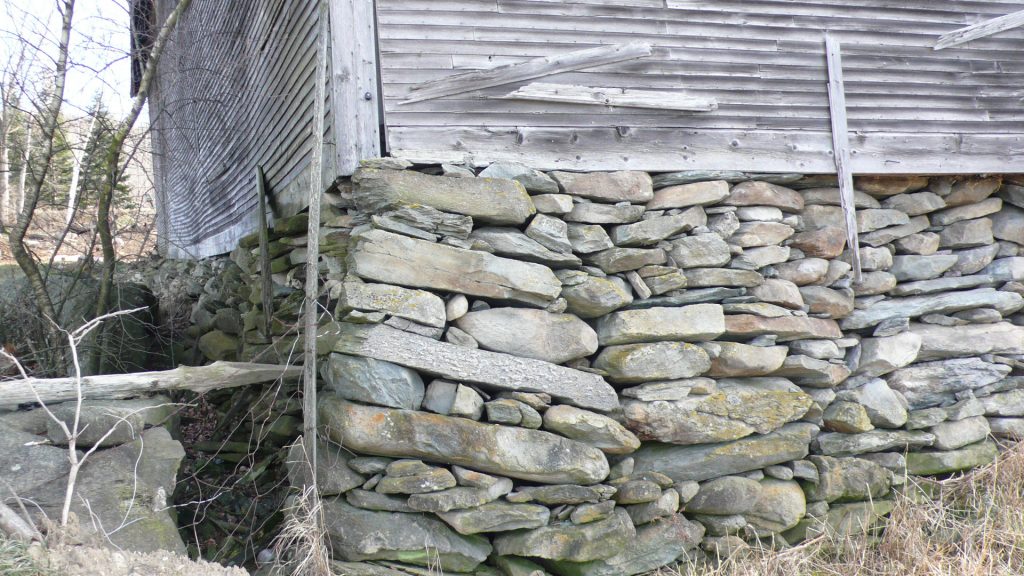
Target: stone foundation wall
<point>599,374</point>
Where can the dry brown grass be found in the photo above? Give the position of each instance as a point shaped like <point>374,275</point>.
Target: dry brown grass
<point>974,526</point>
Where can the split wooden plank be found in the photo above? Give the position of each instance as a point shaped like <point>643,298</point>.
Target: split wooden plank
<point>841,146</point>
<point>118,386</point>
<point>980,30</point>
<point>616,97</point>
<point>355,107</point>
<point>535,68</point>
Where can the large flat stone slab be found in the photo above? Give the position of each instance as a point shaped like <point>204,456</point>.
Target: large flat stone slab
<point>686,323</point>
<point>944,303</point>
<point>531,333</point>
<point>928,384</point>
<point>707,461</point>
<point>396,259</point>
<point>490,369</point>
<point>357,535</point>
<point>785,327</point>
<point>941,342</point>
<point>490,200</point>
<point>583,543</point>
<point>504,450</point>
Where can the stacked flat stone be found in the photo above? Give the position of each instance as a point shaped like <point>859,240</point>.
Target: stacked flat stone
<point>604,373</point>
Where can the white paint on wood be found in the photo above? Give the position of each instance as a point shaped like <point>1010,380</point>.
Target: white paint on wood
<point>535,68</point>
<point>613,97</point>
<point>354,95</point>
<point>980,30</point>
<point>841,147</point>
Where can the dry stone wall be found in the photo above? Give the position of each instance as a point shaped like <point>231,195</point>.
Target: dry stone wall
<point>602,373</point>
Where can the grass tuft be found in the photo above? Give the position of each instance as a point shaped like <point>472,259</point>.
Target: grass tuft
<point>15,559</point>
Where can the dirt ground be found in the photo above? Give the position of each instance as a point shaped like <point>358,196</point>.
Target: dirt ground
<point>86,561</point>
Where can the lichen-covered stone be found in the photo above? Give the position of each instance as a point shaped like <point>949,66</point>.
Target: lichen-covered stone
<point>687,323</point>
<point>496,517</point>
<point>590,428</point>
<point>416,305</point>
<point>574,543</point>
<point>725,496</point>
<point>633,363</point>
<point>554,338</point>
<point>516,452</point>
<point>657,544</point>
<point>847,479</point>
<point>373,381</point>
<point>929,463</point>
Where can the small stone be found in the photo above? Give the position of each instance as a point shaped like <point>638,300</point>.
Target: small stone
<point>460,497</point>
<point>369,464</point>
<point>725,496</point>
<point>588,238</point>
<point>871,220</point>
<point>835,444</point>
<point>831,197</point>
<point>634,363</point>
<point>687,323</point>
<point>373,381</point>
<point>972,190</point>
<point>910,268</point>
<point>653,230</point>
<point>558,204</point>
<point>803,271</point>
<point>782,505</point>
<point>880,356</point>
<point>530,333</point>
<point>576,543</point>
<point>590,428</point>
<point>893,233</point>
<point>587,513</point>
<point>512,243</point>
<point>550,233</point>
<point>967,234</point>
<point>915,204</point>
<point>732,359</point>
<point>890,185</point>
<point>594,213</point>
<point>430,480</point>
<point>1008,224</point>
<point>954,434</point>
<point>922,243</point>
<point>930,463</point>
<point>702,250</point>
<point>845,479</point>
<point>496,517</point>
<point>753,193</point>
<point>780,292</point>
<point>751,234</point>
<point>637,492</point>
<point>883,406</point>
<point>967,212</point>
<point>616,260</point>
<point>561,494</point>
<point>455,336</point>
<point>593,297</point>
<point>666,505</point>
<point>534,181</point>
<point>456,307</point>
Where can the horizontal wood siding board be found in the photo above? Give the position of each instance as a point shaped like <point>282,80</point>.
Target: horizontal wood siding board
<point>761,60</point>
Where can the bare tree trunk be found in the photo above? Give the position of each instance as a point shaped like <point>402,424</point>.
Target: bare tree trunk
<point>23,177</point>
<point>114,169</point>
<point>30,197</point>
<point>76,172</point>
<point>5,169</point>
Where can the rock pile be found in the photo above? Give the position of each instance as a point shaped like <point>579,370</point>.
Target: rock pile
<point>599,374</point>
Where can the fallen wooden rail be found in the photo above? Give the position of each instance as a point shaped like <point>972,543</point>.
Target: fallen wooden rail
<point>114,386</point>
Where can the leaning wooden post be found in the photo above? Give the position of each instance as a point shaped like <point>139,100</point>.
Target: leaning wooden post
<point>267,284</point>
<point>841,147</point>
<point>316,190</point>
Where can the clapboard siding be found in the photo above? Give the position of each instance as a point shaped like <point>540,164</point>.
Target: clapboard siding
<point>763,61</point>
<point>235,90</point>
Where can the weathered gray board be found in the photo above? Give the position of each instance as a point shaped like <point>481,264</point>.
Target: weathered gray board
<point>235,89</point>
<point>910,108</point>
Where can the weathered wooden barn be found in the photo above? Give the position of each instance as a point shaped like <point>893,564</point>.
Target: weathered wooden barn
<point>656,85</point>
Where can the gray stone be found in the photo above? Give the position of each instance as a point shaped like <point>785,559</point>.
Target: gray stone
<point>884,407</point>
<point>922,243</point>
<point>456,307</point>
<point>847,479</point>
<point>493,369</point>
<point>932,383</point>
<point>731,359</point>
<point>714,277</point>
<point>821,349</point>
<point>666,505</point>
<point>1006,269</point>
<point>656,545</point>
<point>915,204</point>
<point>914,306</point>
<point>778,291</point>
<point>588,238</point>
<point>594,213</point>
<point>553,203</point>
<point>503,411</point>
<point>594,429</point>
<point>512,243</point>
<point>751,234</point>
<point>836,444</point>
<point>724,224</point>
<point>534,181</point>
<point>872,283</point>
<point>954,434</point>
<point>575,543</point>
<point>939,342</point>
<point>530,333</point>
<point>702,250</point>
<point>418,539</point>
<point>370,500</point>
<point>616,260</point>
<point>947,284</point>
<point>889,185</point>
<point>812,372</point>
<point>1008,224</point>
<point>686,195</point>
<point>100,423</point>
<point>687,323</point>
<point>507,451</point>
<point>756,258</point>
<point>585,513</point>
<point>451,399</point>
<point>593,297</point>
<point>928,463</point>
<point>830,197</point>
<point>880,356</point>
<point>29,462</point>
<point>459,498</point>
<point>846,417</point>
<point>1004,404</point>
<point>972,190</point>
<point>877,219</point>
<point>782,505</point>
<point>373,381</point>
<point>803,271</point>
<point>628,186</point>
<point>455,336</point>
<point>909,268</point>
<point>637,492</point>
<point>550,233</point>
<point>663,283</point>
<point>489,200</point>
<point>561,494</point>
<point>887,235</point>
<point>429,479</point>
<point>759,213</point>
<point>725,496</point>
<point>670,390</point>
<point>721,525</point>
<point>395,259</point>
<point>967,234</point>
<point>753,193</point>
<point>652,230</point>
<point>334,475</point>
<point>1009,428</point>
<point>967,212</point>
<point>425,218</point>
<point>707,461</point>
<point>827,302</point>
<point>496,517</point>
<point>738,326</point>
<point>634,363</point>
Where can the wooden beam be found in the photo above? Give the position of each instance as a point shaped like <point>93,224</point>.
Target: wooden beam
<point>616,97</point>
<point>980,30</point>
<point>266,281</point>
<point>535,68</point>
<point>355,110</point>
<point>116,386</point>
<point>841,147</point>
